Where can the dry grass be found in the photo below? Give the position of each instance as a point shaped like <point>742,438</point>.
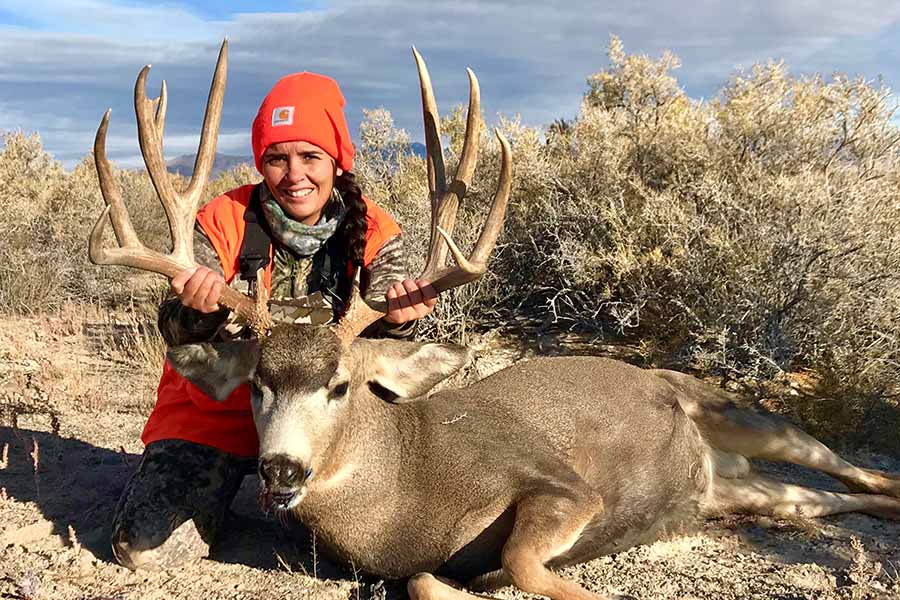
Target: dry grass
<point>82,357</point>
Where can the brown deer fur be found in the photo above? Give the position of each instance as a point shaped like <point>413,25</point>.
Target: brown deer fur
<point>549,462</point>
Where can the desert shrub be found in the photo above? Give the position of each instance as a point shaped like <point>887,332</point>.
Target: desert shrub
<point>748,236</point>
<point>225,181</point>
<point>28,179</point>
<point>752,236</point>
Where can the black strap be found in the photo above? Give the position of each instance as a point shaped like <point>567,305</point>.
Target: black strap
<point>329,264</point>
<point>257,242</point>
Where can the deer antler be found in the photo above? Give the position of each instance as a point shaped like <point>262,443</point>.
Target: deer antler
<point>181,208</point>
<point>444,205</point>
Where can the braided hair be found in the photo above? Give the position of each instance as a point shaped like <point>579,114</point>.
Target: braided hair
<point>352,232</point>
<point>353,229</point>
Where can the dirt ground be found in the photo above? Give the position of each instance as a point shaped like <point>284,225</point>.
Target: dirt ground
<point>71,412</point>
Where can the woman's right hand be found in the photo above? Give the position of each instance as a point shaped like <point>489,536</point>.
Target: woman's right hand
<point>199,288</point>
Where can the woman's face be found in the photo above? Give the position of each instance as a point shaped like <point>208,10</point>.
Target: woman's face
<point>301,177</point>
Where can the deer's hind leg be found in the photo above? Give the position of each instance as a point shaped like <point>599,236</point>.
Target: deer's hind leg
<point>760,495</point>
<point>729,428</point>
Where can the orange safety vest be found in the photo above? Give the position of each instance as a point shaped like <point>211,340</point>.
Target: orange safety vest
<point>182,411</point>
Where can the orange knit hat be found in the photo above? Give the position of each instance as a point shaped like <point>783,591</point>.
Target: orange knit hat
<point>304,107</point>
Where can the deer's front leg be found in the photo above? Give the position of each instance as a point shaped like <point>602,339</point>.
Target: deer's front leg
<point>547,527</point>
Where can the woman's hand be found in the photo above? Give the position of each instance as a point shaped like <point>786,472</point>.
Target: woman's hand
<point>409,300</point>
<point>199,288</point>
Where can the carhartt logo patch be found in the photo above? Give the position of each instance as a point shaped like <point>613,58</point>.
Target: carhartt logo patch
<point>283,115</point>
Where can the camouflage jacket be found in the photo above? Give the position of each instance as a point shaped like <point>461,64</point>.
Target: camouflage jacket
<point>295,297</point>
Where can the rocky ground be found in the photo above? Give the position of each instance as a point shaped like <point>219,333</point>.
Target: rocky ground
<point>72,404</point>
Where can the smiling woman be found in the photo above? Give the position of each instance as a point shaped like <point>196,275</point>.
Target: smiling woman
<point>307,229</point>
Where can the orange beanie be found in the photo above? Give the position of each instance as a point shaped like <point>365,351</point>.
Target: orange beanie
<point>304,107</point>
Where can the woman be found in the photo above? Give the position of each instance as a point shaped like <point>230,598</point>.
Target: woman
<point>309,226</point>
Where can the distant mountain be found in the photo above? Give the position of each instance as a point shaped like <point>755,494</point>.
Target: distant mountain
<point>418,149</point>
<point>184,165</point>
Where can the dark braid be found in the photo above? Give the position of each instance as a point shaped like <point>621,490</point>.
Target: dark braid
<point>353,229</point>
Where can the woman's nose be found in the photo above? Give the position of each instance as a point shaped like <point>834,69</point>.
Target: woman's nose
<point>295,171</point>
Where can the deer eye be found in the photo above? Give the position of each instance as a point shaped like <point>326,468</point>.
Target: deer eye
<point>339,390</point>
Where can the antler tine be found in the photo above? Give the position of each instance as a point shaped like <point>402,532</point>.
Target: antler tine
<point>162,103</point>
<point>150,139</point>
<point>469,156</point>
<point>434,153</point>
<point>470,269</point>
<point>434,159</point>
<point>180,209</point>
<point>359,314</point>
<point>125,235</point>
<point>444,202</point>
<point>206,153</point>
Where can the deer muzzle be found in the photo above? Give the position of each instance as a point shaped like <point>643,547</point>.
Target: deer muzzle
<point>284,480</point>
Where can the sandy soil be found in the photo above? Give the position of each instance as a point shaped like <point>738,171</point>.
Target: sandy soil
<point>71,413</point>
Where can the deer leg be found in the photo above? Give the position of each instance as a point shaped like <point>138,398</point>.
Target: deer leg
<point>752,434</point>
<point>490,581</point>
<point>547,527</point>
<point>757,494</point>
<point>756,435</point>
<point>425,586</point>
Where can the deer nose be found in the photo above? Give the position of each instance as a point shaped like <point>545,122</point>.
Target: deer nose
<point>281,471</point>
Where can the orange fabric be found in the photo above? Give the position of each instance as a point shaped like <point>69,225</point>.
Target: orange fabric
<point>184,412</point>
<point>304,107</point>
<point>222,220</point>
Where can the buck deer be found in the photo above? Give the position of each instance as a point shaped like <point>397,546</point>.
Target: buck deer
<point>549,462</point>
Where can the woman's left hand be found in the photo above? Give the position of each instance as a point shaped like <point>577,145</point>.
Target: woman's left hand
<point>409,300</point>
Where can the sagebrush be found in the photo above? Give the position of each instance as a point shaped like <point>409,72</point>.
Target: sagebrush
<point>753,236</point>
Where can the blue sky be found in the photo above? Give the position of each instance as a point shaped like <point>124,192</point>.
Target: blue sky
<point>62,63</point>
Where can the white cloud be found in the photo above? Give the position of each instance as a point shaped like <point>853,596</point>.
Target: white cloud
<point>531,58</point>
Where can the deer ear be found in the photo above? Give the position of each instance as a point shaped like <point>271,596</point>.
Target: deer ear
<point>411,369</point>
<point>217,369</point>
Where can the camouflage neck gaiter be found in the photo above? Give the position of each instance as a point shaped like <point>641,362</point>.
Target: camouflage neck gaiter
<point>302,239</point>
